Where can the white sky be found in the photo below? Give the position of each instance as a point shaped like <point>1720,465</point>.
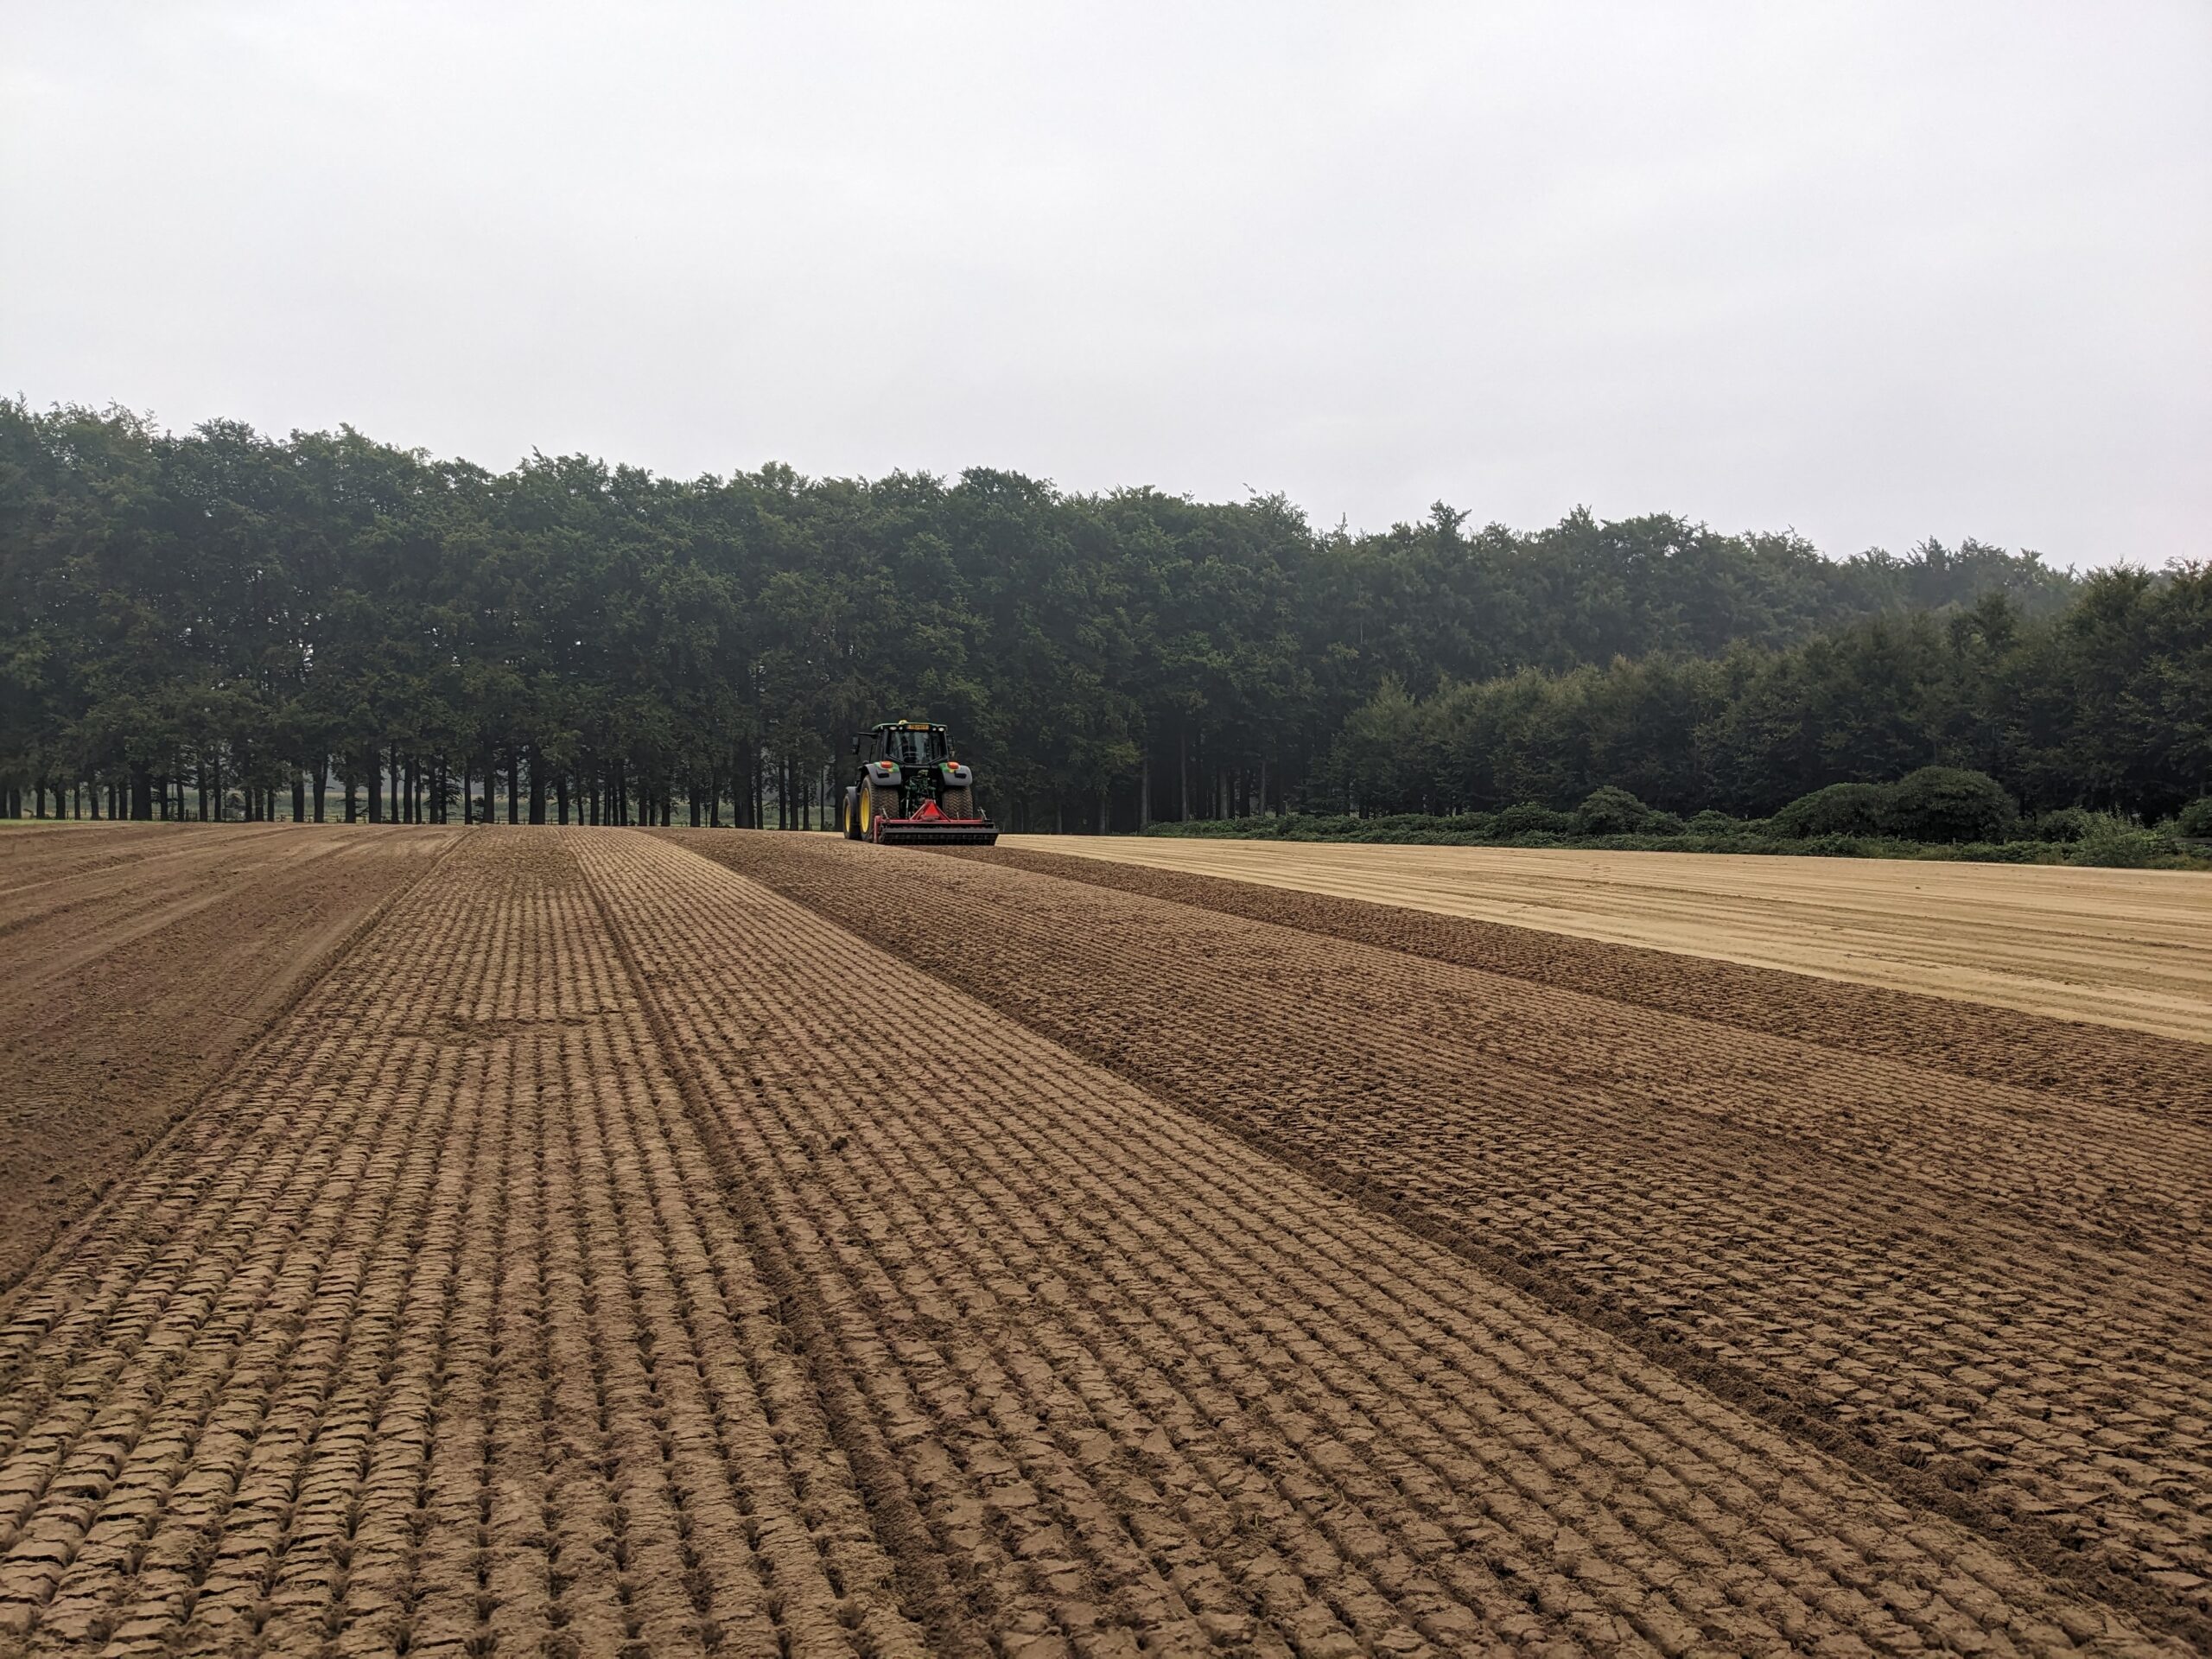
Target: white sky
<point>1877,271</point>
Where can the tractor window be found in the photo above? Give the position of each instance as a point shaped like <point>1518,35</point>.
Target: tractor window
<point>915,748</point>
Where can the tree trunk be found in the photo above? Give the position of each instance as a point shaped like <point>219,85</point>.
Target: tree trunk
<point>376,791</point>
<point>560,795</point>
<point>321,781</point>
<point>536,785</point>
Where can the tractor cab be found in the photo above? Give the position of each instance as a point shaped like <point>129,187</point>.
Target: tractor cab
<point>905,744</point>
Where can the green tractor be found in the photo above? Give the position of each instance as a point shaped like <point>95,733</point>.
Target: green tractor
<point>910,790</point>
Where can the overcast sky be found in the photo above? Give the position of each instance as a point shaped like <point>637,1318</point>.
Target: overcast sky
<point>1875,271</point>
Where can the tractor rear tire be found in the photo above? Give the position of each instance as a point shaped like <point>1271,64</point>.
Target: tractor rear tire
<point>852,814</point>
<point>958,803</point>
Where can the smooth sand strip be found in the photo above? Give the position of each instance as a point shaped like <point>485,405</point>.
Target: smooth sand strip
<point>2130,948</point>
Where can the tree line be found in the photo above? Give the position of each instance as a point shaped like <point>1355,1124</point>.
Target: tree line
<point>223,623</point>
<point>2105,703</point>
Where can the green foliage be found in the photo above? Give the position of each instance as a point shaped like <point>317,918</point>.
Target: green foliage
<point>1609,811</point>
<point>238,611</point>
<point>2065,825</point>
<point>1948,803</point>
<point>1710,823</point>
<point>1529,818</point>
<point>2195,820</point>
<point>1838,810</point>
<point>1991,686</point>
<point>2114,843</point>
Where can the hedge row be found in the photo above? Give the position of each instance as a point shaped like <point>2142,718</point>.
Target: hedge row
<point>1937,812</point>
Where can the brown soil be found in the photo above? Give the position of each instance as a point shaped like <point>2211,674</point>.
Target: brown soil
<point>429,1332</point>
<point>2121,947</point>
<point>2086,1063</point>
<point>1997,1298</point>
<point>141,960</point>
<point>607,1254</point>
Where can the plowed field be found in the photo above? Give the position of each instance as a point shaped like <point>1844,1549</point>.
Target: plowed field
<point>2123,947</point>
<point>830,1249</point>
<point>141,959</point>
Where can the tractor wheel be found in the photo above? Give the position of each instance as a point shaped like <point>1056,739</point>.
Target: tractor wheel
<point>958,803</point>
<point>852,814</point>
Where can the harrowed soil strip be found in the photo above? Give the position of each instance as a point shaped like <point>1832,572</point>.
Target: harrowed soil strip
<point>2135,1071</point>
<point>1147,1381</point>
<point>428,1332</point>
<point>2119,947</point>
<point>142,961</point>
<point>1994,1298</point>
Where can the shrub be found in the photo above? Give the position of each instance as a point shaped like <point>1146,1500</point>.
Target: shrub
<point>1529,818</point>
<point>2116,843</point>
<point>2196,819</point>
<point>1838,809</point>
<point>1609,811</point>
<point>2063,827</point>
<point>1948,803</point>
<point>1710,823</point>
<point>1664,824</point>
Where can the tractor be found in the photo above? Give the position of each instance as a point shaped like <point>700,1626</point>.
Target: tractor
<point>910,790</point>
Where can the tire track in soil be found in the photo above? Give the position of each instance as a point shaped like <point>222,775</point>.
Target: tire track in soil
<point>427,1332</point>
<point>1779,1220</point>
<point>1147,1385</point>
